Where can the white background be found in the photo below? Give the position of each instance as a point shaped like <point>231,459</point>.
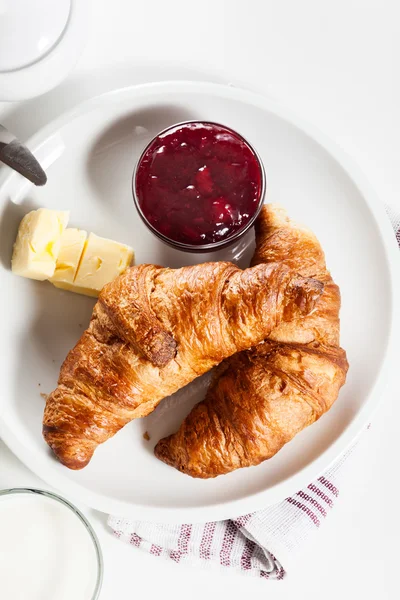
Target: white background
<point>336,63</point>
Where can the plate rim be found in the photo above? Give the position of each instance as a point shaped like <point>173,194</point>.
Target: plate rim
<point>312,470</point>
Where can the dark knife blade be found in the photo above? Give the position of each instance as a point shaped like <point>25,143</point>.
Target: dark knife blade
<point>17,156</point>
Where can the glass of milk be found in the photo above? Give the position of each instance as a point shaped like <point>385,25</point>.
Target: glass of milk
<point>48,549</point>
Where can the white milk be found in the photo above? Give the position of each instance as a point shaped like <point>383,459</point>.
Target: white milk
<point>46,553</point>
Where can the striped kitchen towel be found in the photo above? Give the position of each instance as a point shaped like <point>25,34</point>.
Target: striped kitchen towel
<point>261,544</point>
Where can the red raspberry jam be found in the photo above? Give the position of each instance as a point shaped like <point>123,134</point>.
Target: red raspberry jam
<point>199,183</point>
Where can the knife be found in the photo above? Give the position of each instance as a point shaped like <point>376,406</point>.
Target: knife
<point>17,156</point>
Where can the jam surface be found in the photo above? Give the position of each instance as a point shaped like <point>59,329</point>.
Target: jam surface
<point>198,183</point>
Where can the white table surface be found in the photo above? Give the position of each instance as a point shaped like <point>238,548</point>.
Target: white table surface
<point>335,66</point>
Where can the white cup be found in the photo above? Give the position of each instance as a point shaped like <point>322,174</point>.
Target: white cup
<point>40,42</point>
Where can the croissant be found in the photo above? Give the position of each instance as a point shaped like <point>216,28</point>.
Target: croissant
<point>260,399</point>
<point>153,330</point>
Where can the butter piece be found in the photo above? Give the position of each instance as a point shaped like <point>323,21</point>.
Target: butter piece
<point>102,261</point>
<point>72,245</point>
<point>38,243</point>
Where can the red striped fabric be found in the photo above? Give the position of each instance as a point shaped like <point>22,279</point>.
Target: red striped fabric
<point>312,501</point>
<point>305,509</point>
<point>156,550</point>
<point>207,540</point>
<point>328,484</point>
<point>243,520</point>
<point>227,543</point>
<point>183,543</point>
<point>321,494</point>
<point>245,560</point>
<point>135,540</point>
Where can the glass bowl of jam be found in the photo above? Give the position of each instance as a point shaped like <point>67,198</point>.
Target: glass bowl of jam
<point>199,186</point>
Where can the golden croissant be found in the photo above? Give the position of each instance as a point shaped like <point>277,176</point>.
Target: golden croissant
<point>154,330</point>
<point>260,399</point>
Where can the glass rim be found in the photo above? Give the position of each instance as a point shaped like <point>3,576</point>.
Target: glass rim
<point>92,534</point>
<point>213,246</point>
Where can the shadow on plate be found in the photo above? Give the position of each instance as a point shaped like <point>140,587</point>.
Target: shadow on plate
<point>9,224</point>
<point>171,411</point>
<point>239,253</point>
<point>113,155</point>
<point>79,87</point>
<point>58,320</point>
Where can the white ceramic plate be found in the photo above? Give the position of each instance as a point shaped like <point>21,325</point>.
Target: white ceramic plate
<point>89,154</point>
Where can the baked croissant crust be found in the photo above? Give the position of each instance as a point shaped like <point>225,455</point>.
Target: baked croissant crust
<point>154,330</point>
<point>260,399</point>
